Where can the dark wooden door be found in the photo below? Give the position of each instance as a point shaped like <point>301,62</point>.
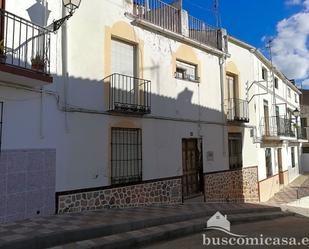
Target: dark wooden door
<point>192,168</point>
<point>281,174</point>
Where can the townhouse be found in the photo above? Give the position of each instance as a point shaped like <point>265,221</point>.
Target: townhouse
<point>304,123</point>
<point>135,103</point>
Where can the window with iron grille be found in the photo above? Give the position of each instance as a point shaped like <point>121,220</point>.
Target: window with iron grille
<point>293,156</point>
<point>268,162</point>
<point>1,123</point>
<point>126,164</point>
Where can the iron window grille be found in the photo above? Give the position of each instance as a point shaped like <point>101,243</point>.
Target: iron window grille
<point>268,160</point>
<point>126,159</point>
<point>1,123</point>
<point>293,156</point>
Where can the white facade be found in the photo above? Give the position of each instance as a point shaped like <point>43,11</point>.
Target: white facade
<point>71,115</point>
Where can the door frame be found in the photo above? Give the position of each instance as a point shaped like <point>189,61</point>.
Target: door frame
<point>280,169</point>
<point>199,168</point>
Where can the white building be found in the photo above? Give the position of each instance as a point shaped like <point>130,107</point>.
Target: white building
<point>132,111</point>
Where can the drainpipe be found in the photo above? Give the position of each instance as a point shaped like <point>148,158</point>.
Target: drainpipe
<point>65,74</point>
<point>221,64</point>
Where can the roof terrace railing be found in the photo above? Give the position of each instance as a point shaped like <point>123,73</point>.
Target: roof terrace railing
<point>171,17</point>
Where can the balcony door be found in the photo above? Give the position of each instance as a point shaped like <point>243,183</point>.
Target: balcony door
<point>231,95</point>
<point>123,63</point>
<point>266,118</point>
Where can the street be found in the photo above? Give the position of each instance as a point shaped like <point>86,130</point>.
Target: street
<point>297,227</point>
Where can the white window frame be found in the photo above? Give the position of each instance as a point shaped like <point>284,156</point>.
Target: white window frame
<point>185,66</point>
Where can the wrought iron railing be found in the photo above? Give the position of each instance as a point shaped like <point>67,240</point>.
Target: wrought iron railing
<point>129,94</point>
<point>277,126</point>
<point>203,33</point>
<point>24,44</point>
<point>237,110</point>
<point>302,133</point>
<point>172,18</point>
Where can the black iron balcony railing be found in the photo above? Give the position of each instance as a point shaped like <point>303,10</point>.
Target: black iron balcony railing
<point>171,17</point>
<point>128,94</point>
<point>302,133</point>
<point>24,44</point>
<point>277,126</point>
<point>237,110</point>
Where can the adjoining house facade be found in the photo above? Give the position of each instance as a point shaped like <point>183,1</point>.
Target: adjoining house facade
<point>304,122</point>
<point>141,105</point>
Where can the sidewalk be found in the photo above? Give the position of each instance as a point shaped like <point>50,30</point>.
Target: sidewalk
<point>43,232</point>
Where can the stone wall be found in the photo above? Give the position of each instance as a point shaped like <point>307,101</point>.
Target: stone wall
<point>232,186</point>
<point>145,194</point>
<point>27,183</point>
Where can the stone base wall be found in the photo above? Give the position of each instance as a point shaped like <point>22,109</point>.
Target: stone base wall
<point>232,186</point>
<point>27,183</point>
<point>145,194</point>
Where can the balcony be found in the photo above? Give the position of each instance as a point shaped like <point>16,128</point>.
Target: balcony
<point>277,127</point>
<point>173,18</point>
<point>24,51</point>
<point>237,110</point>
<point>128,94</point>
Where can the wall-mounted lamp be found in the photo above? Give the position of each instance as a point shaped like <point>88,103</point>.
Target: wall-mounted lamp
<point>296,113</point>
<point>71,6</point>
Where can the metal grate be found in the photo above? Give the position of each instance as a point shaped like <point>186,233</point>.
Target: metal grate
<point>126,164</point>
<point>1,122</point>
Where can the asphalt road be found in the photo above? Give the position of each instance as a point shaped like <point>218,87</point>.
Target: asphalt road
<point>287,227</point>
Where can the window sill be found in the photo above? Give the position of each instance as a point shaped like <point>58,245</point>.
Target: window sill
<point>194,81</point>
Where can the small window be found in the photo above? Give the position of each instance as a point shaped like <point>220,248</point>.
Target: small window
<point>303,122</point>
<point>289,92</point>
<point>276,83</point>
<point>293,156</point>
<point>186,71</point>
<point>264,73</point>
<point>305,150</point>
<point>296,98</point>
<point>126,160</point>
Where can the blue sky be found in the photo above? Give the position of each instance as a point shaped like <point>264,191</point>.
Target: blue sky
<point>286,21</point>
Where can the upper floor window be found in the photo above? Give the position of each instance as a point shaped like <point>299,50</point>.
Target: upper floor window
<point>296,98</point>
<point>123,58</point>
<point>276,83</point>
<point>264,73</point>
<point>289,92</point>
<point>186,71</point>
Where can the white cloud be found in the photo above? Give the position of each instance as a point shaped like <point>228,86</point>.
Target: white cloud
<point>290,50</point>
<point>293,2</point>
<point>305,83</point>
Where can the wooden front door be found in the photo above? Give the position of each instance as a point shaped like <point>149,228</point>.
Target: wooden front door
<point>281,174</point>
<point>193,180</point>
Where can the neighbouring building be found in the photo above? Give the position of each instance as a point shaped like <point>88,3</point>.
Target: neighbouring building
<point>304,122</point>
<point>136,103</point>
